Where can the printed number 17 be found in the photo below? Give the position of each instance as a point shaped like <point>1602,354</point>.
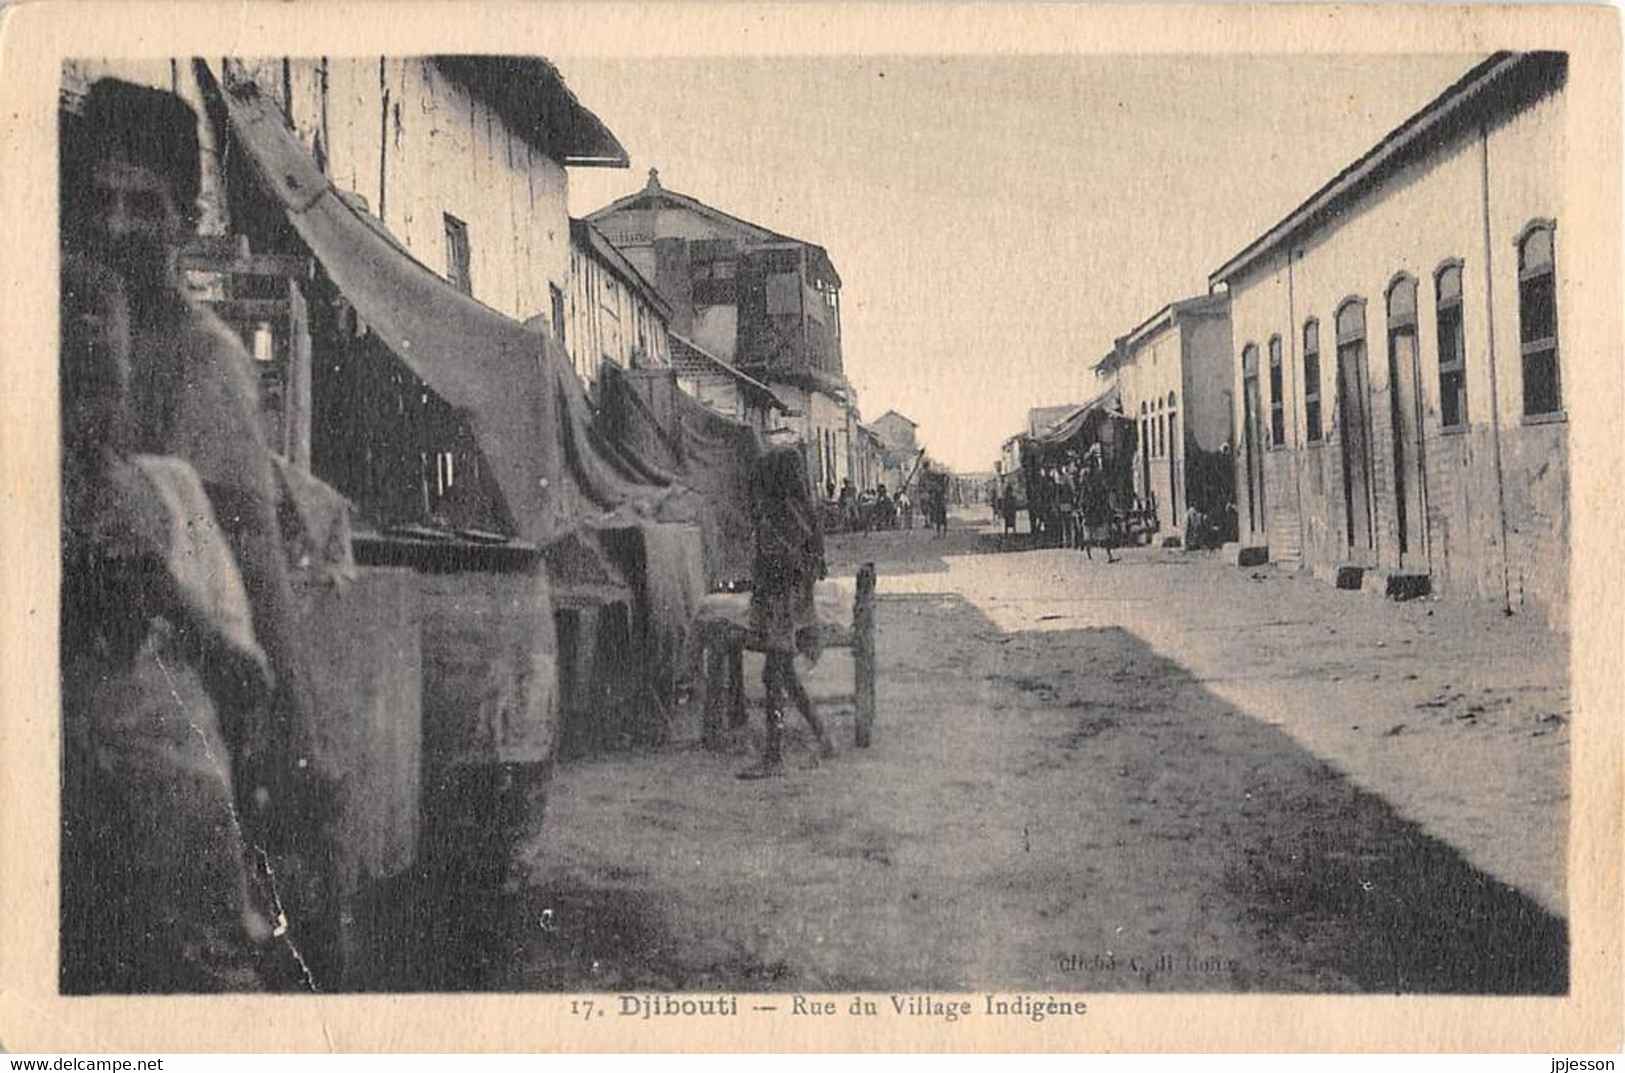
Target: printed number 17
<point>581,1007</point>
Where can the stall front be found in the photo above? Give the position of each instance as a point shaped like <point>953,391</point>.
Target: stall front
<point>440,663</point>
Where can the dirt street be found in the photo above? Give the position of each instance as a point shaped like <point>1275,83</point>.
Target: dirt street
<point>1164,774</point>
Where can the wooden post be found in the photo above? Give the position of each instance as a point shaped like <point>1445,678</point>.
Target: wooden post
<point>297,416</point>
<point>738,715</point>
<point>716,692</point>
<point>863,655</point>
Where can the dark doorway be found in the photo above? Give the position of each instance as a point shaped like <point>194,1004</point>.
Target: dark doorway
<point>1354,415</point>
<point>1405,418</point>
<point>1251,448</point>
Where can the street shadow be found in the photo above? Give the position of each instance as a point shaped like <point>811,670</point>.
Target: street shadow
<point>1325,875</point>
<point>920,551</point>
<point>1321,885</point>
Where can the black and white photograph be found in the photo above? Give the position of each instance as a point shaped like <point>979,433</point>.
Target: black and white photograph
<point>979,531</point>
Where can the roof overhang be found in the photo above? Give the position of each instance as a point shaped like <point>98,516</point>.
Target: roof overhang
<point>1167,317</point>
<point>743,379</point>
<point>1504,82</point>
<point>530,95</point>
<point>593,242</point>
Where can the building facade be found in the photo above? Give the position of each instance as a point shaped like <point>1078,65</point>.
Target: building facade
<point>899,447</point>
<point>1399,341</point>
<point>763,302</point>
<point>462,162</point>
<point>610,313</point>
<point>1173,378</point>
<point>723,388</point>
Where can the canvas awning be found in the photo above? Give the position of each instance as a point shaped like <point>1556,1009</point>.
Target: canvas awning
<point>512,385</point>
<point>1069,426</point>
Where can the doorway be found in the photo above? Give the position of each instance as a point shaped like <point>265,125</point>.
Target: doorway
<point>1354,417</point>
<point>1252,450</point>
<point>1405,419</point>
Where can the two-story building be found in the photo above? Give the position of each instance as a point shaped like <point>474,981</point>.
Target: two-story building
<point>1399,345</point>
<point>900,446</point>
<point>763,302</point>
<point>1173,378</point>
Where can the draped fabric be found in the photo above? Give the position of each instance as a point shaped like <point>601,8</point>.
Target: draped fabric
<point>512,385</point>
<point>1069,426</point>
<point>715,456</point>
<point>559,475</point>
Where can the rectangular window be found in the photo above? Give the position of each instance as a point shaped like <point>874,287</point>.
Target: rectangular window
<point>459,257</point>
<point>1277,403</point>
<point>784,294</point>
<point>1452,352</point>
<point>1537,323</point>
<point>1311,381</point>
<point>1537,303</point>
<point>556,297</point>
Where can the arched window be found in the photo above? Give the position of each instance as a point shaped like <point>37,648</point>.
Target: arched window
<point>1351,321</point>
<point>1171,398</point>
<point>1452,346</point>
<point>1311,380</point>
<point>1277,403</point>
<point>1537,319</point>
<point>1402,301</point>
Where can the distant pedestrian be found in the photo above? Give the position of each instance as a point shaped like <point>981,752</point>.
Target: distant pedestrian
<point>905,507</point>
<point>848,502</point>
<point>1097,514</point>
<point>1007,509</point>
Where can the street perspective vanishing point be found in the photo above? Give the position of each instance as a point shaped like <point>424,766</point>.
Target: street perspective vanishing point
<point>730,525</point>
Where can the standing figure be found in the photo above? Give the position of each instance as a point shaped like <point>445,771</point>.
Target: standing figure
<point>1066,504</point>
<point>1097,513</point>
<point>156,651</point>
<point>789,560</point>
<point>848,502</point>
<point>130,178</point>
<point>905,507</point>
<point>885,509</point>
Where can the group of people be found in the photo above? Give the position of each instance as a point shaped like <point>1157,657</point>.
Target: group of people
<point>190,747</point>
<point>872,508</point>
<point>878,509</point>
<point>1073,504</point>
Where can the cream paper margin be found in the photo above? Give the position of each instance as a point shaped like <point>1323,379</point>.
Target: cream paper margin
<point>35,38</point>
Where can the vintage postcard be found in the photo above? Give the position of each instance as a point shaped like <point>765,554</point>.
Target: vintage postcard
<point>811,528</point>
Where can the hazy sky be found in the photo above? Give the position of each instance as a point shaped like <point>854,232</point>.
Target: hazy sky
<point>997,222</point>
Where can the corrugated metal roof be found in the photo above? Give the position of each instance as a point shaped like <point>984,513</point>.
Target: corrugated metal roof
<point>685,353</point>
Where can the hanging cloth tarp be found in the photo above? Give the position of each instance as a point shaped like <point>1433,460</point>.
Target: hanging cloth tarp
<point>712,454</point>
<point>1069,426</point>
<point>511,384</point>
<point>480,362</point>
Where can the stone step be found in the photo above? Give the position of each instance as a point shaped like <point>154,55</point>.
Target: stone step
<point>1239,554</point>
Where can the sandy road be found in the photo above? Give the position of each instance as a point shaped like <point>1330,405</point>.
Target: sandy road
<point>1051,802</point>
